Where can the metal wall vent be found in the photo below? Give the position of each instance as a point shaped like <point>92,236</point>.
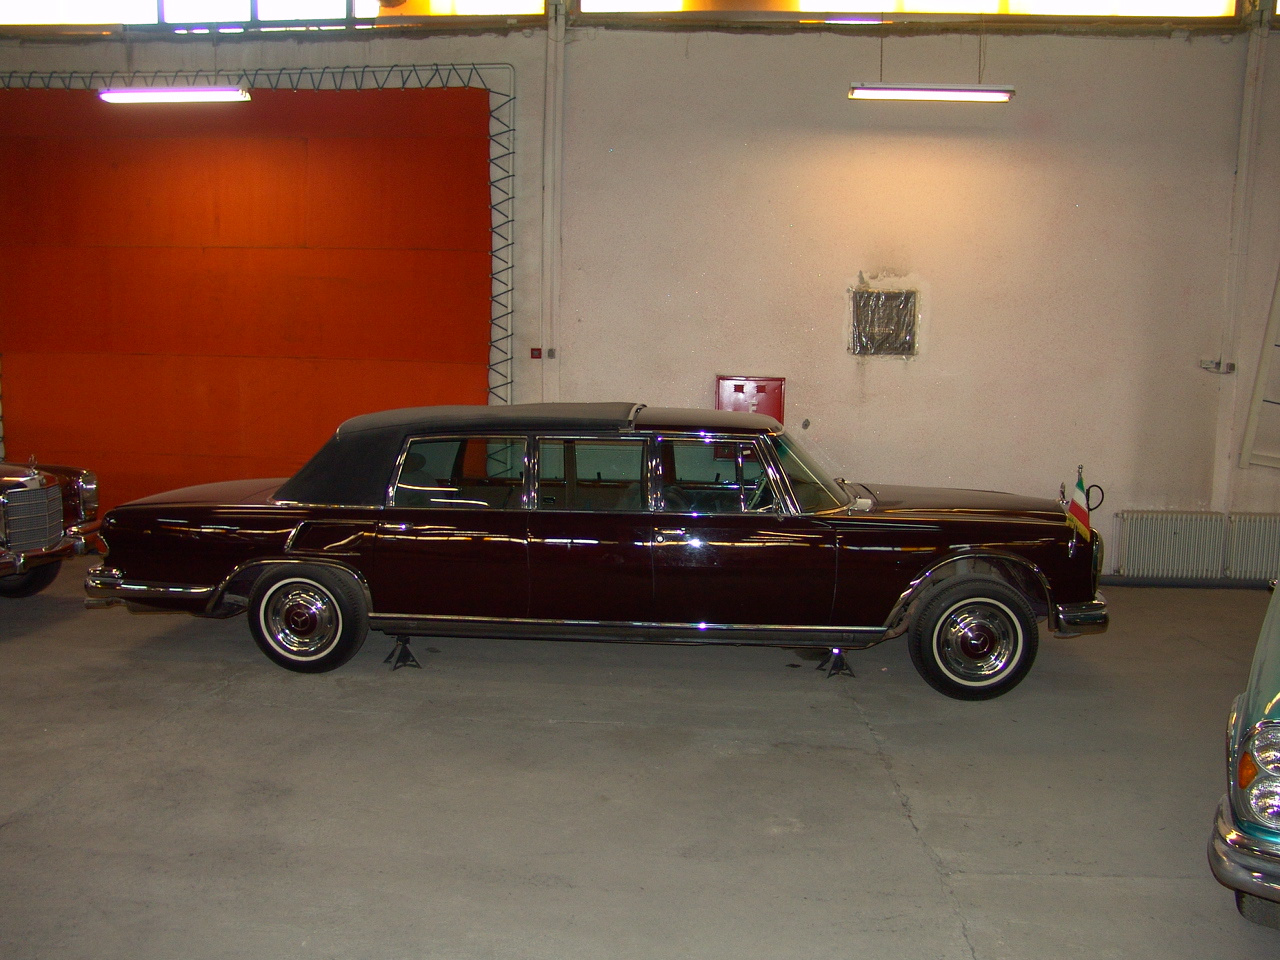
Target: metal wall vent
<point>884,323</point>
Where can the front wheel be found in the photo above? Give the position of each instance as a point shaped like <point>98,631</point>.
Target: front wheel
<point>974,639</point>
<point>31,582</point>
<point>309,619</point>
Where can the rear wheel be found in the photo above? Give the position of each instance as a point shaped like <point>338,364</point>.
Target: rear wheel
<point>309,619</point>
<point>30,582</point>
<point>974,639</point>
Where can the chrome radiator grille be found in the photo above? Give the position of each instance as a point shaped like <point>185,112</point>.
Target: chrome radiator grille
<point>32,518</point>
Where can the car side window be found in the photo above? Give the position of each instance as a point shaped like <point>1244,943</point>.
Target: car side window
<point>485,473</point>
<point>709,476</point>
<point>812,490</point>
<point>598,475</point>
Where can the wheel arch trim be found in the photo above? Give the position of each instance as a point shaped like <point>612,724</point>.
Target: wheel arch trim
<point>250,572</point>
<point>1014,570</point>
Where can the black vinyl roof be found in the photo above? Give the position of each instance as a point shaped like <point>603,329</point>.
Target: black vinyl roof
<point>355,466</point>
<point>523,417</point>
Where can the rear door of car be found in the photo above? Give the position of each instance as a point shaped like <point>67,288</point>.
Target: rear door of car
<point>590,535</point>
<point>453,541</point>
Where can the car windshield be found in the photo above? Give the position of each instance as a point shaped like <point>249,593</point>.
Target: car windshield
<point>814,488</point>
<point>1263,699</point>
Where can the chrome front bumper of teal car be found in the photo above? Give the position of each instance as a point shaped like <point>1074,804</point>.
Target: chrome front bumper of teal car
<point>1241,862</point>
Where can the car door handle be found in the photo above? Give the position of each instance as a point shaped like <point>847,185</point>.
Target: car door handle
<point>662,536</point>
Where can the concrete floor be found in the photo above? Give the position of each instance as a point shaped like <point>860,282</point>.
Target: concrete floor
<point>166,792</point>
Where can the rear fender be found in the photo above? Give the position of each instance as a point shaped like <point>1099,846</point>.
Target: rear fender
<point>232,595</point>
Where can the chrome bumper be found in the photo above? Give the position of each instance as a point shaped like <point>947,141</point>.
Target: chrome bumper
<point>1241,862</point>
<point>81,539</point>
<point>1077,618</point>
<point>12,562</point>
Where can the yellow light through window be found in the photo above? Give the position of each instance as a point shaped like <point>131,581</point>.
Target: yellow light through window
<point>466,8</point>
<point>1077,8</point>
<point>237,11</point>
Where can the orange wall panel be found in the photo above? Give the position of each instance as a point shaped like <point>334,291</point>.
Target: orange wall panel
<point>80,114</point>
<point>404,304</point>
<point>218,287</point>
<point>134,192</point>
<point>421,197</point>
<point>219,418</point>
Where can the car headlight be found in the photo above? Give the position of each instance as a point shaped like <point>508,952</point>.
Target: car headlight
<point>1265,747</point>
<point>1258,774</point>
<point>1264,802</point>
<point>1099,551</point>
<point>88,484</point>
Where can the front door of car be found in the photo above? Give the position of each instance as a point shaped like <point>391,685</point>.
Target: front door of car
<point>590,534</point>
<point>725,552</point>
<point>454,540</point>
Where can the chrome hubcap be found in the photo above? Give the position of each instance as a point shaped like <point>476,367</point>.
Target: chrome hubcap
<point>977,641</point>
<point>301,618</point>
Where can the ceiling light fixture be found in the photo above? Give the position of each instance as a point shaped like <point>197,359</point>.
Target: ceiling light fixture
<point>974,93</point>
<point>174,95</point>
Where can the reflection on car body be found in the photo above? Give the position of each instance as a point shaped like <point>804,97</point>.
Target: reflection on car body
<point>607,521</point>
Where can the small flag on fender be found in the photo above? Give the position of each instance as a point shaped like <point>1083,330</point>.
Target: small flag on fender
<point>1078,508</point>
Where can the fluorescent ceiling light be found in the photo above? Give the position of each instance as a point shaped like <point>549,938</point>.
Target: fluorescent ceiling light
<point>976,93</point>
<point>174,95</point>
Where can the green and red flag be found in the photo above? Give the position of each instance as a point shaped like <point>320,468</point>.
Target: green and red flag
<point>1078,508</point>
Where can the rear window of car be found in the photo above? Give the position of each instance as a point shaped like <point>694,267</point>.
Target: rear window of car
<point>484,473</point>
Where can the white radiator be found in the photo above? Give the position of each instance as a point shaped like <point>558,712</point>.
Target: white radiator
<point>1193,545</point>
<point>1253,547</point>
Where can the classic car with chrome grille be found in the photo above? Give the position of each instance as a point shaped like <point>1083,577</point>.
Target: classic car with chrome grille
<point>606,521</point>
<point>1244,845</point>
<point>47,513</point>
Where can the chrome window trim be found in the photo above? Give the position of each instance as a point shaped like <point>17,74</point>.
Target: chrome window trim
<point>319,506</point>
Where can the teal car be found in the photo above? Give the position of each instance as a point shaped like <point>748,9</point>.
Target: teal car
<point>1244,849</point>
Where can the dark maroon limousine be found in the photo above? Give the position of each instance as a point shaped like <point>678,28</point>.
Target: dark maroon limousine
<point>606,521</point>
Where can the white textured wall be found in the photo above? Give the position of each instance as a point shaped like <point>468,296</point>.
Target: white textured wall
<point>721,194</point>
<point>1070,247</point>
